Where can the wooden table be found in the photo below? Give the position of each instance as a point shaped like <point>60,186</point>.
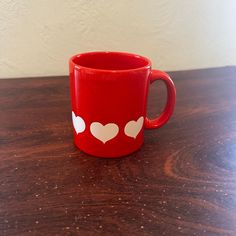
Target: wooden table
<point>182,181</point>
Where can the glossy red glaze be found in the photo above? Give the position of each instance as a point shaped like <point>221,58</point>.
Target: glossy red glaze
<point>109,97</point>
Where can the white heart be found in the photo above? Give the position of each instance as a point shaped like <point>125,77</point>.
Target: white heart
<point>104,132</point>
<point>78,123</point>
<point>133,127</point>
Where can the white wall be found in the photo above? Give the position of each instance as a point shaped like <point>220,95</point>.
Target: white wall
<point>38,36</point>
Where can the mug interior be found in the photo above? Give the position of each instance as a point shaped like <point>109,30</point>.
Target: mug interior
<point>110,61</point>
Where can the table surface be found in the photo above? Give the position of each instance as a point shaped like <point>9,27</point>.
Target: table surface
<point>182,181</point>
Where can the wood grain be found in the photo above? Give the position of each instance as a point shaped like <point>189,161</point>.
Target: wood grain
<point>182,181</point>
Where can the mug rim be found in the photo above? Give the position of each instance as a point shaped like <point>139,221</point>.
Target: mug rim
<point>78,66</point>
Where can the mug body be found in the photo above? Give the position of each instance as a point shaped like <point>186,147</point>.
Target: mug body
<point>109,98</point>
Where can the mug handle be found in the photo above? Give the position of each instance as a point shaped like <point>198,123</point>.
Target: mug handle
<point>170,104</point>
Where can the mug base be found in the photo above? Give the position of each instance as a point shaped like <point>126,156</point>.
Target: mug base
<point>107,156</point>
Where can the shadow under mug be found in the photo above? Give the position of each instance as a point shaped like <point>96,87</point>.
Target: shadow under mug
<point>109,99</point>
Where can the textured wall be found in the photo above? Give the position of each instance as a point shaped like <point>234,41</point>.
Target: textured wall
<point>38,36</point>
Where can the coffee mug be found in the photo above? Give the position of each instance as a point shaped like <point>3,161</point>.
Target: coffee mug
<point>109,99</point>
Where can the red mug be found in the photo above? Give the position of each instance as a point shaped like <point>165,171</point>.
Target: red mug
<point>109,99</point>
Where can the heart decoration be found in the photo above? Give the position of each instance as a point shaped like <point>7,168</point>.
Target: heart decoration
<point>78,123</point>
<point>109,131</point>
<point>104,133</point>
<point>133,127</point>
